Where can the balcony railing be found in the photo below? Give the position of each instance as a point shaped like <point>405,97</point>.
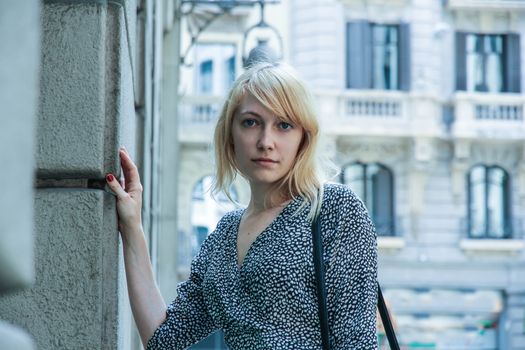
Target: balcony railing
<point>486,4</point>
<point>375,112</point>
<point>197,116</point>
<point>378,112</point>
<point>499,112</point>
<point>381,108</point>
<point>495,116</point>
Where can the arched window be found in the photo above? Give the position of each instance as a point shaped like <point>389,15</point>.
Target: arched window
<point>373,183</point>
<point>488,202</point>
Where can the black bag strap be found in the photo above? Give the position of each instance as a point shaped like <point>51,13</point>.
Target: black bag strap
<point>385,317</point>
<point>319,278</point>
<point>321,294</point>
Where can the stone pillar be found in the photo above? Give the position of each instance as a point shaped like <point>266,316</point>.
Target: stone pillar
<point>19,62</point>
<point>423,155</point>
<point>86,111</point>
<point>169,156</point>
<point>515,330</point>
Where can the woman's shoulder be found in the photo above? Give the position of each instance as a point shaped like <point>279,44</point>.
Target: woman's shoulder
<point>338,194</point>
<point>340,200</point>
<point>229,219</point>
<point>223,227</point>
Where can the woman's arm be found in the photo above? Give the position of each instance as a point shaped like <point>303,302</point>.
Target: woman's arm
<point>352,277</point>
<point>147,304</point>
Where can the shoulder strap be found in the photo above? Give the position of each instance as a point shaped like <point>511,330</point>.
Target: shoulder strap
<point>319,278</point>
<point>385,317</point>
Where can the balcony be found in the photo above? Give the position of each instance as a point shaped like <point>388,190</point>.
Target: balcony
<point>486,4</point>
<point>197,117</point>
<point>378,113</point>
<point>489,116</point>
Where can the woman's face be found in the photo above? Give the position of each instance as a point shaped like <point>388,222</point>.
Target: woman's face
<point>265,146</point>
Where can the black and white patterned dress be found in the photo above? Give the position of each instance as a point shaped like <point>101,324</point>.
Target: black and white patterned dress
<point>270,302</point>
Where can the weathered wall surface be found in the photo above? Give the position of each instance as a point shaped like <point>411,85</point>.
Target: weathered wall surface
<point>72,304</point>
<point>85,96</point>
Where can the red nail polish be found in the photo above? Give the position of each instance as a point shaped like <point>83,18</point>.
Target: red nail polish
<point>110,177</point>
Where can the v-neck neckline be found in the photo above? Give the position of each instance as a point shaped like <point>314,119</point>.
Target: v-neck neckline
<point>264,232</point>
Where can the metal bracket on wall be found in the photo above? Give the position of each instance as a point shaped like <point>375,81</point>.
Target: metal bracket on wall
<point>201,13</point>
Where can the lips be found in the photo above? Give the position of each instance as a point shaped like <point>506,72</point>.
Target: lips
<point>264,161</point>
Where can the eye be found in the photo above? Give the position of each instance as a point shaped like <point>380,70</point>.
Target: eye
<point>248,122</point>
<point>285,126</point>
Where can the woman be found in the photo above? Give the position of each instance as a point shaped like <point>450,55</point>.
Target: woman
<point>254,275</point>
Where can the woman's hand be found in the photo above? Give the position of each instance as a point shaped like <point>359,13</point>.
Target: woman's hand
<point>129,196</point>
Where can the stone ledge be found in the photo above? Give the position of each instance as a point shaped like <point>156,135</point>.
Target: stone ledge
<point>390,243</point>
<point>492,245</point>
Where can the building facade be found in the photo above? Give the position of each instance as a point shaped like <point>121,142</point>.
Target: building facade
<point>421,105</point>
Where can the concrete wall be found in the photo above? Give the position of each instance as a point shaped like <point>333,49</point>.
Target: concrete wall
<point>78,80</point>
<point>86,99</point>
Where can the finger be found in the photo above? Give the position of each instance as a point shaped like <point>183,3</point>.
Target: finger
<point>115,186</point>
<point>131,173</point>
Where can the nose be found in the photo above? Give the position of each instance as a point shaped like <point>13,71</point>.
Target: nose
<point>266,139</point>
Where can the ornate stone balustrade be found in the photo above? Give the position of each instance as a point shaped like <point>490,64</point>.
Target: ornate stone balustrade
<point>493,116</point>
<point>198,115</point>
<point>486,4</point>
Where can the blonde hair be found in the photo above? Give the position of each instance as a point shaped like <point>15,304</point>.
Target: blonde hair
<point>278,88</point>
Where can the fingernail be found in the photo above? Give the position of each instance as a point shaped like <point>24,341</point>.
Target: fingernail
<point>110,177</point>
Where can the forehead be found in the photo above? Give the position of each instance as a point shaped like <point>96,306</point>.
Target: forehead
<point>249,104</point>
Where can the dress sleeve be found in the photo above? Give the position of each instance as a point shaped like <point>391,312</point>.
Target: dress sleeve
<point>187,319</point>
<point>351,278</point>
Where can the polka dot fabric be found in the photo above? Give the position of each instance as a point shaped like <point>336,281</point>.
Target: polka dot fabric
<point>270,302</point>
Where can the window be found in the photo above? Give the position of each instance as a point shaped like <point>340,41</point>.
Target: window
<point>215,68</point>
<point>373,183</point>
<point>385,57</point>
<point>488,62</point>
<point>205,77</point>
<point>488,198</point>
<point>230,72</point>
<point>378,56</point>
<point>484,62</point>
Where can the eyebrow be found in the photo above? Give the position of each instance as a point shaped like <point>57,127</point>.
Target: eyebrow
<point>251,112</point>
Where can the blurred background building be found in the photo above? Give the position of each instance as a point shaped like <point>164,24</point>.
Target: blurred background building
<point>422,108</point>
<point>421,105</point>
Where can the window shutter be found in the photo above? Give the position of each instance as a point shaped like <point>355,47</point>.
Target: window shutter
<point>404,57</point>
<point>512,63</point>
<point>358,55</point>
<point>461,61</point>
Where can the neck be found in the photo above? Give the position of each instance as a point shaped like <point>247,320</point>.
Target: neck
<point>264,199</point>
